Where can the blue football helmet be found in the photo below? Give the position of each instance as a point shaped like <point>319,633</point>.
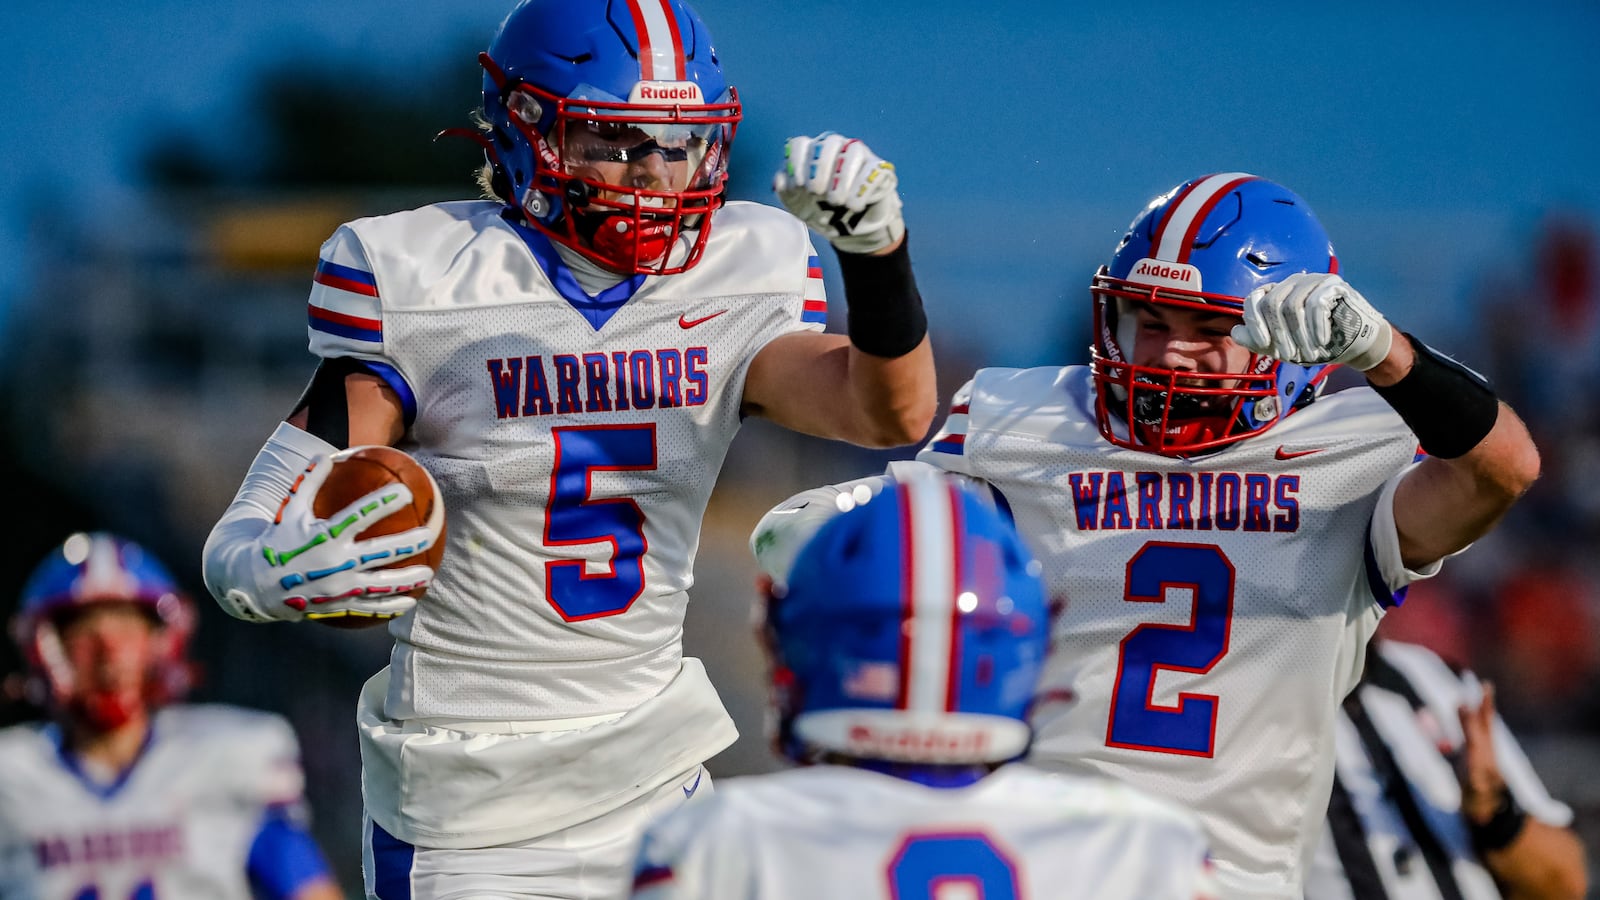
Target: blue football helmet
<point>610,126</point>
<point>1204,245</point>
<point>88,569</point>
<point>912,630</point>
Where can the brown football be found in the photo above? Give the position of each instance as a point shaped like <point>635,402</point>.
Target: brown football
<point>361,470</point>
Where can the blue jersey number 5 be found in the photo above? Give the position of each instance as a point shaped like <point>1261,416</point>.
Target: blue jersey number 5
<point>1190,727</point>
<point>928,865</point>
<point>573,518</point>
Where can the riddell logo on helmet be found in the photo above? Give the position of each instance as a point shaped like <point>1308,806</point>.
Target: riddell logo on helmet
<point>916,743</point>
<point>1166,274</point>
<point>662,93</point>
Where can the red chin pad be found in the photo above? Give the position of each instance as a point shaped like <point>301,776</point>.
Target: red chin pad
<point>107,711</point>
<point>628,246</point>
<point>1184,433</point>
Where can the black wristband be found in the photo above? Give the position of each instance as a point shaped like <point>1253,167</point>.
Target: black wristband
<point>1449,407</point>
<point>1502,828</point>
<point>884,308</point>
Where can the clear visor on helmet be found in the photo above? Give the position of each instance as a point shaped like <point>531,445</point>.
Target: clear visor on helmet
<point>644,150</point>
<point>649,156</point>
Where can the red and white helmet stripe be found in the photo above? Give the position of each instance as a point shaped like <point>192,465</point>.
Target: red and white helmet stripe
<point>660,46</point>
<point>930,512</point>
<point>1175,235</point>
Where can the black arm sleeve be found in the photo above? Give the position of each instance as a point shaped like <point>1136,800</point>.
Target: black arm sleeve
<point>884,306</point>
<point>327,411</point>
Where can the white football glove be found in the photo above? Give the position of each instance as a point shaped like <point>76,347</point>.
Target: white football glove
<point>303,567</point>
<point>1312,319</point>
<point>843,190</point>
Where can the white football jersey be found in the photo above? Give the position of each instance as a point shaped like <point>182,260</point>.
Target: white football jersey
<point>851,834</point>
<point>1215,609</point>
<point>575,441</point>
<point>180,823</point>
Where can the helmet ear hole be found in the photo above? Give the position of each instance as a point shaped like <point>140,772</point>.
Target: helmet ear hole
<point>499,185</point>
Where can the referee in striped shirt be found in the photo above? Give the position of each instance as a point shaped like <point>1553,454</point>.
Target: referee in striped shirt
<point>1432,797</point>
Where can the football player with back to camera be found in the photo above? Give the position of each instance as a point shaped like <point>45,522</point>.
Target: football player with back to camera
<point>1225,540</point>
<point>905,647</point>
<point>126,793</point>
<point>570,360</point>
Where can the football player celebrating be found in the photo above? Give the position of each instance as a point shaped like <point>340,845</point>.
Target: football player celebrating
<point>124,795</point>
<point>906,644</point>
<point>570,359</point>
<point>1226,541</point>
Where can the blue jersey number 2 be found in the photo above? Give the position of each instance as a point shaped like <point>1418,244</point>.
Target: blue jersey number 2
<point>1190,727</point>
<point>926,865</point>
<point>572,518</point>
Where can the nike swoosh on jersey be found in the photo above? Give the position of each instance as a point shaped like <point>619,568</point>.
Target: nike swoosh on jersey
<point>689,789</point>
<point>1295,454</point>
<point>686,322</point>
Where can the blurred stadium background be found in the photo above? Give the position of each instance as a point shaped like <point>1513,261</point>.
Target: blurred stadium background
<point>167,182</point>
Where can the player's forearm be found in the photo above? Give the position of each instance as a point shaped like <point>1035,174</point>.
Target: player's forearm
<point>1504,465</point>
<point>889,372</point>
<point>1543,863</point>
<point>894,399</point>
<point>1481,457</point>
<point>1446,504</point>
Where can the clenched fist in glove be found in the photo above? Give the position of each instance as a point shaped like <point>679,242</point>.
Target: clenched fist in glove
<point>304,567</point>
<point>843,190</point>
<point>1312,319</point>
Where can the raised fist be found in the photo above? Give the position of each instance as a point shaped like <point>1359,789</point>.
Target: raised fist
<point>1312,319</point>
<point>843,191</point>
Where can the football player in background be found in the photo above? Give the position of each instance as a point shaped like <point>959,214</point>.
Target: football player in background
<point>905,647</point>
<point>1225,541</point>
<point>570,359</point>
<point>125,795</point>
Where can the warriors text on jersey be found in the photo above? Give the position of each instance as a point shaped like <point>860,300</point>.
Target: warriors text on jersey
<point>831,831</point>
<point>575,441</point>
<point>180,823</point>
<point>1216,609</point>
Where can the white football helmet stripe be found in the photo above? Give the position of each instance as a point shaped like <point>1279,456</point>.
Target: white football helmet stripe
<point>660,48</point>
<point>1175,236</point>
<point>929,512</point>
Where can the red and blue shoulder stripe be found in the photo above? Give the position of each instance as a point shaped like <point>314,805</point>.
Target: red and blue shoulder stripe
<point>345,278</point>
<point>815,310</point>
<point>344,303</point>
<point>952,439</point>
